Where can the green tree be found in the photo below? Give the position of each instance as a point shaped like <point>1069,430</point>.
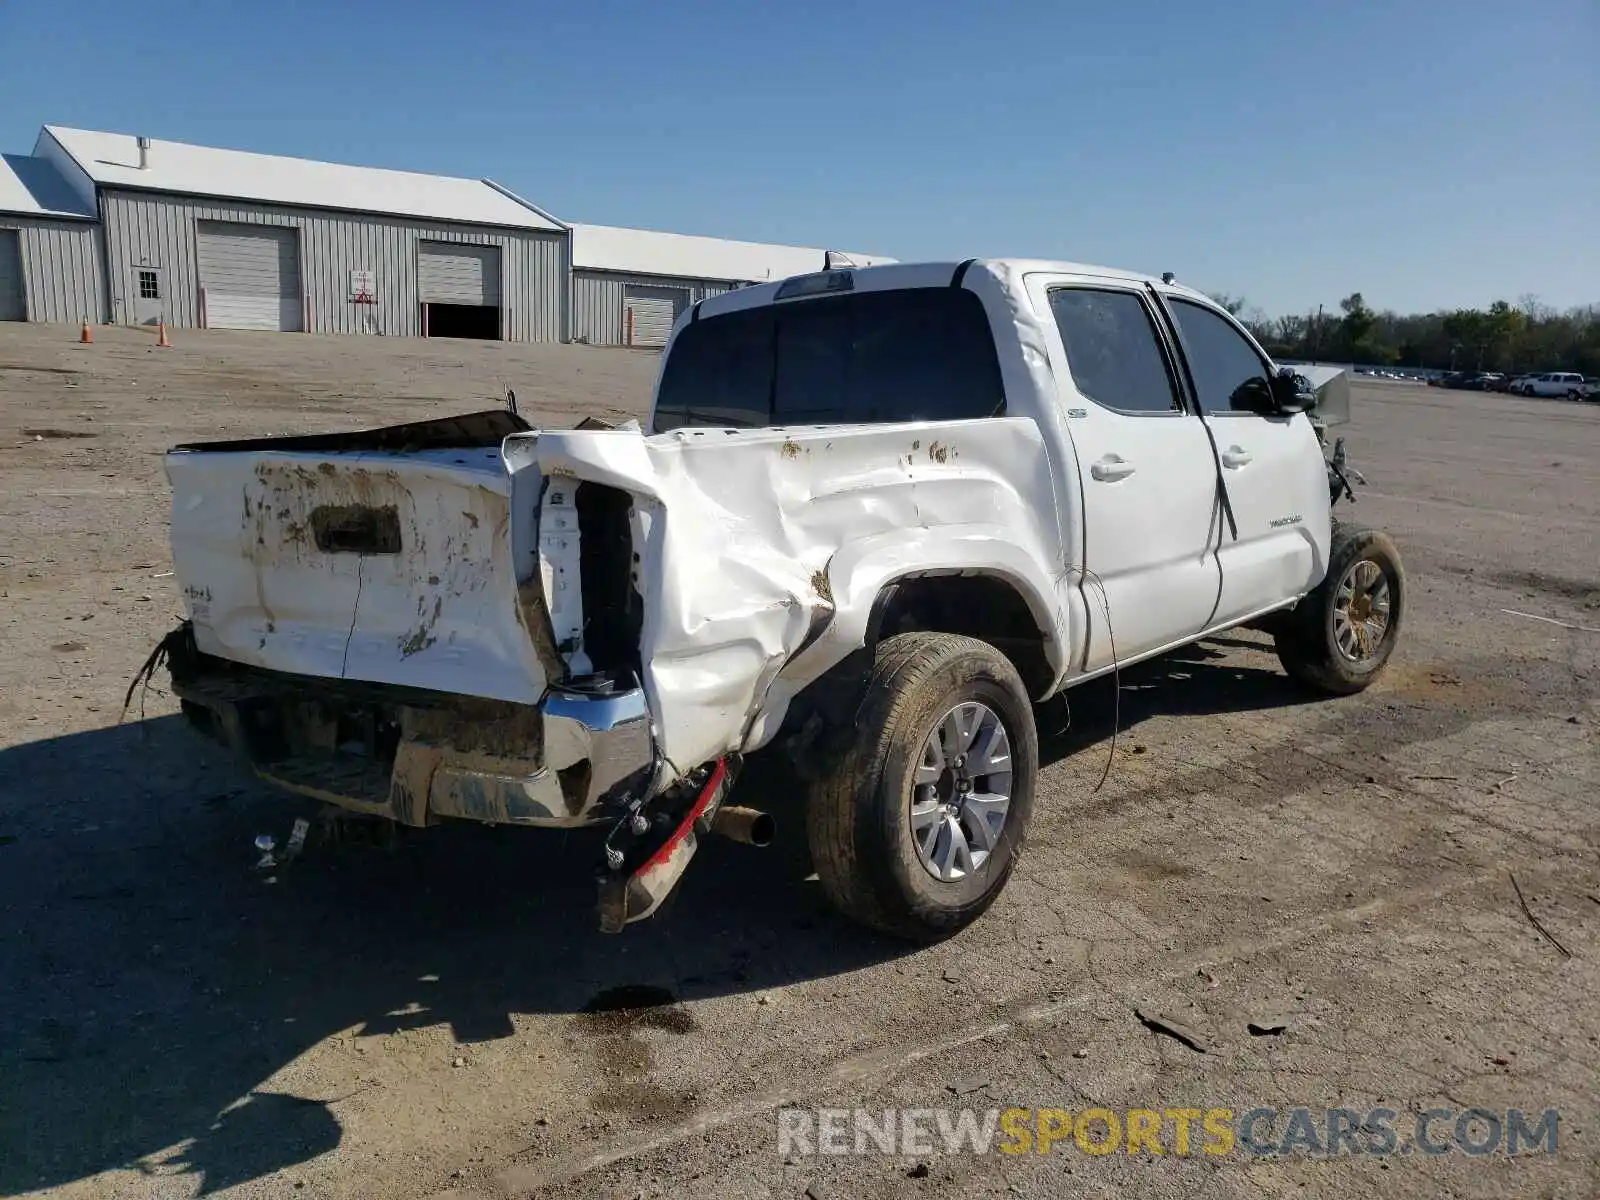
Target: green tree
<point>1360,333</point>
<point>1526,336</point>
<point>1464,328</point>
<point>1502,328</point>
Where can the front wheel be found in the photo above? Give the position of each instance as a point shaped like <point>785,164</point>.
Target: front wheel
<point>1338,638</point>
<point>916,824</point>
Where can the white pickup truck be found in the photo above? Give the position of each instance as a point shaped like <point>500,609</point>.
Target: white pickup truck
<point>876,515</point>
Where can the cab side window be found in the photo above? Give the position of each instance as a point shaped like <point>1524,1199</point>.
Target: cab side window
<point>1229,375</point>
<point>1113,351</point>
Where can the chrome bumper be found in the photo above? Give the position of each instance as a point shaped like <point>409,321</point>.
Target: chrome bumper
<point>576,759</point>
<point>597,752</point>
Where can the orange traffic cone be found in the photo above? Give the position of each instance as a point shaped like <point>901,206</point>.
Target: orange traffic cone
<point>86,337</point>
<point>161,341</point>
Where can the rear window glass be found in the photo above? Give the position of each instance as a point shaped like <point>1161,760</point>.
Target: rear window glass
<point>916,354</point>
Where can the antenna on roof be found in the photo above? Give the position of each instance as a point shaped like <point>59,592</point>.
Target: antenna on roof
<point>834,260</point>
<point>144,152</point>
<point>1167,277</point>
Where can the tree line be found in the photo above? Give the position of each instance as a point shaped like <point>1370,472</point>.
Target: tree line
<point>1512,338</point>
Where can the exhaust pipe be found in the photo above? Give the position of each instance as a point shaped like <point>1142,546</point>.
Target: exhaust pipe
<point>748,825</point>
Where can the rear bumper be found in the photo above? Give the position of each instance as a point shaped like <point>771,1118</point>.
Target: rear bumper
<point>416,757</point>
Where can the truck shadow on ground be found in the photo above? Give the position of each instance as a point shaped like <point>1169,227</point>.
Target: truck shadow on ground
<point>1198,680</point>
<point>152,983</point>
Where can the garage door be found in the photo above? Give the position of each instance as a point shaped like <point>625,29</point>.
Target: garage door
<point>648,313</point>
<point>12,306</point>
<point>251,277</point>
<point>452,274</point>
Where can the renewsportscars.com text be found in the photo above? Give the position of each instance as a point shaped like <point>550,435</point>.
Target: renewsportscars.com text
<point>1178,1131</point>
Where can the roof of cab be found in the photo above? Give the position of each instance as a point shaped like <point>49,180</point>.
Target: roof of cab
<point>937,273</point>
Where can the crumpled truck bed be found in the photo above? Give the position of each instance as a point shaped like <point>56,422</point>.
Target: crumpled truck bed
<point>761,552</point>
<point>757,554</point>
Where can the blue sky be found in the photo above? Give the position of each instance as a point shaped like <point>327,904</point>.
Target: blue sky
<point>1429,154</point>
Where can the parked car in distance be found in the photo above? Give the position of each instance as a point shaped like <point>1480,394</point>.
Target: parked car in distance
<point>1553,383</point>
<point>1472,381</point>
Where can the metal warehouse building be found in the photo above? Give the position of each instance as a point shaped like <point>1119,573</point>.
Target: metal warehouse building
<point>126,230</point>
<point>629,285</point>
<point>227,239</point>
<point>49,245</point>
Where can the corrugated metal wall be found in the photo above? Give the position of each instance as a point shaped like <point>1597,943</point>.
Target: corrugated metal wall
<point>159,230</point>
<point>61,268</point>
<point>597,301</point>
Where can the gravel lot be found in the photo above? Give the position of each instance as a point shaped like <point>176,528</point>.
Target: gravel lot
<point>413,1021</point>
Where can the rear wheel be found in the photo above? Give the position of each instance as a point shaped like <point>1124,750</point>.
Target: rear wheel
<point>916,825</point>
<point>1340,636</point>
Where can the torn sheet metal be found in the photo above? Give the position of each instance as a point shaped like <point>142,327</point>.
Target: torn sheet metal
<point>752,541</point>
<point>760,552</point>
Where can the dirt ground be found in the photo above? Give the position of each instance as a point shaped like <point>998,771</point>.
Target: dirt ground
<point>422,1020</point>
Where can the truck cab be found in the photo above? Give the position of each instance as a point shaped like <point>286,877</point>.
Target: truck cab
<point>1154,410</point>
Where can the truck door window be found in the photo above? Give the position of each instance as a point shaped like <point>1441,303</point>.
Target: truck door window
<point>1229,375</point>
<point>909,354</point>
<point>1113,351</point>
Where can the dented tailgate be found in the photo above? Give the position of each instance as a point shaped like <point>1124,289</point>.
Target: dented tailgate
<point>395,567</point>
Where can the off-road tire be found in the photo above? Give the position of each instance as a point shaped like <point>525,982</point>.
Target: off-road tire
<point>858,813</point>
<point>1306,642</point>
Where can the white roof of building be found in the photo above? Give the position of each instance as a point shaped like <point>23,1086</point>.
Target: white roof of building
<point>646,252</point>
<point>112,160</point>
<point>34,188</point>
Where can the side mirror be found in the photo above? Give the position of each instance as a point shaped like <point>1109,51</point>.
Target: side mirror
<point>1292,392</point>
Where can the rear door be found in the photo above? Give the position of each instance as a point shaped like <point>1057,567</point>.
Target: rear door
<point>1149,503</point>
<point>149,296</point>
<point>1271,467</point>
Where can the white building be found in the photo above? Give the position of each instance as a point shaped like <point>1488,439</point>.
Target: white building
<point>131,230</point>
<point>49,246</point>
<point>227,239</point>
<point>629,285</point>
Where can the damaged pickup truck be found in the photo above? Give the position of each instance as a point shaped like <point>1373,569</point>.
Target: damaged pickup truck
<point>877,515</point>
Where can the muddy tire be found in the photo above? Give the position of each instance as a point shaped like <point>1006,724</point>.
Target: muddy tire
<point>920,812</point>
<point>1338,638</point>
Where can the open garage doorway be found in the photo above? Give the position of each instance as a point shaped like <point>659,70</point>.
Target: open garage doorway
<point>461,321</point>
<point>459,288</point>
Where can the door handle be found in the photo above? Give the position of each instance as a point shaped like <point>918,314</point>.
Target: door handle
<point>1235,457</point>
<point>1111,468</point>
